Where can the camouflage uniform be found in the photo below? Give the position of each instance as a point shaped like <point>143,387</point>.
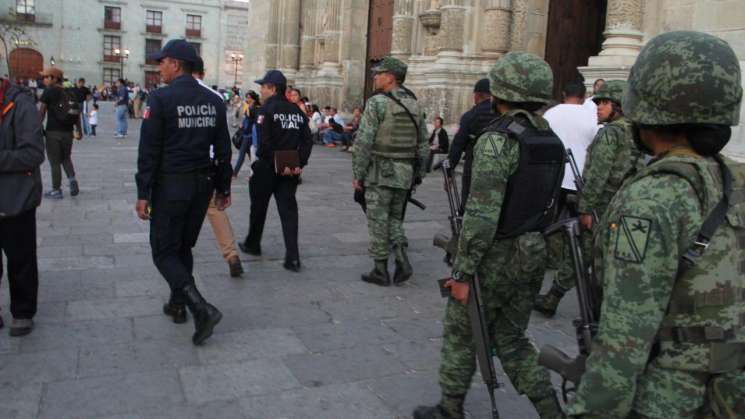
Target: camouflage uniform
<point>389,174</point>
<point>672,345</point>
<point>510,270</point>
<point>611,158</point>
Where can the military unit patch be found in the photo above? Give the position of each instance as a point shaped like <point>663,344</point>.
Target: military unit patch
<point>632,238</point>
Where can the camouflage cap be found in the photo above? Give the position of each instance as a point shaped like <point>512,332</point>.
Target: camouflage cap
<point>392,65</point>
<point>612,90</point>
<point>684,77</point>
<point>521,77</point>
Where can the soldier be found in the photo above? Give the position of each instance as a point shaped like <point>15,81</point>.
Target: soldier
<point>176,178</point>
<point>517,171</point>
<point>671,342</point>
<point>391,151</point>
<point>611,157</point>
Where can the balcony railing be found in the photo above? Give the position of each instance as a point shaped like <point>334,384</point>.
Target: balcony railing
<point>31,19</point>
<point>111,24</point>
<point>194,33</point>
<point>153,28</point>
<point>111,58</point>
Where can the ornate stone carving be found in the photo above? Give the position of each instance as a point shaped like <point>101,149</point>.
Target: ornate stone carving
<point>496,36</point>
<point>403,28</point>
<point>431,21</point>
<point>519,25</point>
<point>451,28</point>
<point>624,14</point>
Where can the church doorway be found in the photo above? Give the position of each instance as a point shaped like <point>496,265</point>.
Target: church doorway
<point>379,36</point>
<point>25,63</point>
<point>575,33</point>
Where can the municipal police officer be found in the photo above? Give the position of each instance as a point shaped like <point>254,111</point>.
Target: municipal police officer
<point>176,178</point>
<point>281,126</point>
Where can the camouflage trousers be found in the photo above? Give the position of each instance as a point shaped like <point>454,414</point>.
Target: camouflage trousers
<point>385,207</point>
<point>511,275</point>
<point>561,253</point>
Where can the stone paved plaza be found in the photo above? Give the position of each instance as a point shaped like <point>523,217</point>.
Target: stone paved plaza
<point>316,344</point>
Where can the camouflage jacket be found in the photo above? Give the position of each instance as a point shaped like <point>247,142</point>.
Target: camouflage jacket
<point>366,167</point>
<point>495,158</point>
<point>611,157</point>
<point>650,223</point>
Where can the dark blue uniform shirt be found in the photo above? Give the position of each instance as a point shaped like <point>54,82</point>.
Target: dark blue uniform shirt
<point>281,125</point>
<point>471,124</point>
<point>180,123</point>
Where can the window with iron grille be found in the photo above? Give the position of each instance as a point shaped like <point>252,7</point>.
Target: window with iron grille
<point>25,7</point>
<point>193,25</point>
<point>151,46</point>
<point>111,43</point>
<point>110,75</point>
<point>153,21</point>
<point>112,17</point>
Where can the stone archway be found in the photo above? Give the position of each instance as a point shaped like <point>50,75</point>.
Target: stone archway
<point>25,63</point>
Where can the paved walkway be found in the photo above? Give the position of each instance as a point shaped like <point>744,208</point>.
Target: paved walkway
<point>315,344</point>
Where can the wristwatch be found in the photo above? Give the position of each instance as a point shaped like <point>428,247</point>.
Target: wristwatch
<point>459,276</point>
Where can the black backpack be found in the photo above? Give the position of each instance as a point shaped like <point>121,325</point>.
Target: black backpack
<point>67,109</point>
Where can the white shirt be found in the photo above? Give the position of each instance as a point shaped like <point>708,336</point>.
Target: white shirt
<point>93,117</point>
<point>576,126</point>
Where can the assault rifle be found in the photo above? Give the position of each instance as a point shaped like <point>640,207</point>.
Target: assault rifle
<point>551,357</point>
<point>479,328</point>
<point>579,182</point>
<point>450,245</point>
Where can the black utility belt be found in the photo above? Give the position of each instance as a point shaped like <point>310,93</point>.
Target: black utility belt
<point>186,175</point>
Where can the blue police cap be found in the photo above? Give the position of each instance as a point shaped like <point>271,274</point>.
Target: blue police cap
<point>177,49</point>
<point>274,77</point>
<point>482,86</point>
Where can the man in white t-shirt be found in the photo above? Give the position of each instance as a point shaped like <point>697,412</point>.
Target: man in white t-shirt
<point>576,126</point>
<point>219,219</point>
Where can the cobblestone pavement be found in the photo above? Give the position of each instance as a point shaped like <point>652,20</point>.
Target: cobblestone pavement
<point>314,344</point>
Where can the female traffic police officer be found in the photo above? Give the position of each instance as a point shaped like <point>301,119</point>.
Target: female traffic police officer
<point>176,177</point>
<point>671,257</point>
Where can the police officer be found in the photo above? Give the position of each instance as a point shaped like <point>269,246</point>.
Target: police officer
<point>671,341</point>
<point>518,164</point>
<point>611,157</point>
<point>281,126</point>
<point>471,124</point>
<point>176,178</point>
<point>391,152</point>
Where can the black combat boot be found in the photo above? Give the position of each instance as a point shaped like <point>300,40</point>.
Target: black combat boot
<point>175,308</point>
<point>379,274</point>
<point>206,316</point>
<point>251,249</point>
<point>450,407</point>
<point>548,303</point>
<point>403,268</point>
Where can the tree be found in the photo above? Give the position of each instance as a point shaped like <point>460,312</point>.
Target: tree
<point>12,33</point>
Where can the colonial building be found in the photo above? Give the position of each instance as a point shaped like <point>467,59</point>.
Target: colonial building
<point>103,40</point>
<point>325,45</point>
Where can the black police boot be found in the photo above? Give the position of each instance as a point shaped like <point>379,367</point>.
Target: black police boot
<point>292,265</point>
<point>206,316</point>
<point>176,310</point>
<point>379,274</point>
<point>254,250</point>
<point>548,303</point>
<point>449,408</point>
<point>403,268</point>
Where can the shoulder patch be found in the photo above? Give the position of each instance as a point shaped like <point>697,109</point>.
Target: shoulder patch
<point>632,238</point>
<point>260,119</point>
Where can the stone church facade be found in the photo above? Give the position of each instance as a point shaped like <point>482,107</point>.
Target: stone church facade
<point>324,45</point>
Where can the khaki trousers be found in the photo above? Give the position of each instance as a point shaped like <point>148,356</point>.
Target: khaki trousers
<point>223,231</point>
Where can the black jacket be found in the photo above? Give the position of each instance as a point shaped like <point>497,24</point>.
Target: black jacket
<point>471,124</point>
<point>21,153</point>
<point>443,141</point>
<point>180,123</point>
<point>281,125</point>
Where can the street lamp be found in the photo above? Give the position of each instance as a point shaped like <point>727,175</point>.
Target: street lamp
<point>123,54</point>
<point>236,59</point>
<point>51,60</point>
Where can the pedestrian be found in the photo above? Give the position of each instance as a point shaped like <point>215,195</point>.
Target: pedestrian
<point>281,126</point>
<point>82,91</point>
<point>670,340</point>
<point>21,155</point>
<point>122,108</point>
<point>93,119</point>
<point>248,134</point>
<point>218,218</point>
<point>176,178</point>
<point>576,127</point>
<point>63,124</point>
<point>470,126</point>
<point>389,160</point>
<point>439,142</point>
<point>517,169</point>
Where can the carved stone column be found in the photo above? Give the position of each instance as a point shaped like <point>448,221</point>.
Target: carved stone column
<point>271,53</point>
<point>403,29</point>
<point>519,26</point>
<point>496,24</point>
<point>451,34</point>
<point>308,36</point>
<point>290,42</point>
<point>332,31</point>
